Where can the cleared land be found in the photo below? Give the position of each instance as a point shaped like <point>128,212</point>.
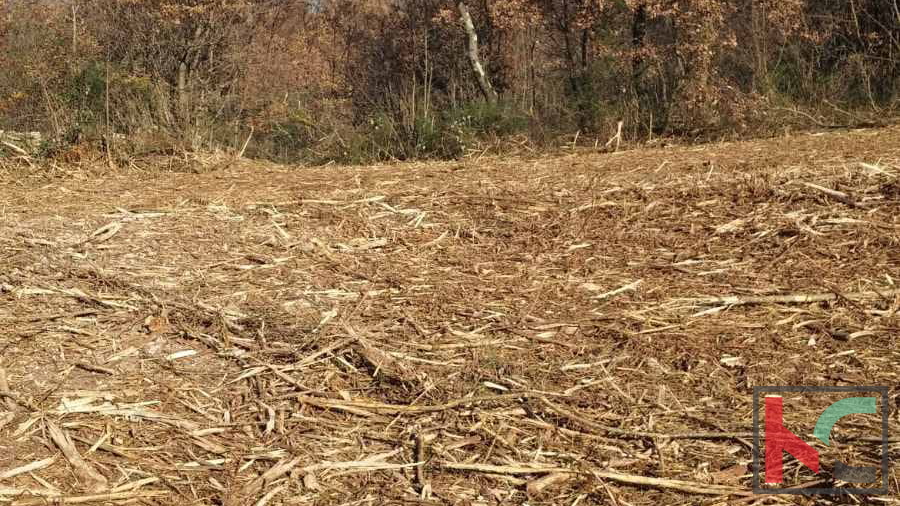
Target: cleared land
<point>573,329</point>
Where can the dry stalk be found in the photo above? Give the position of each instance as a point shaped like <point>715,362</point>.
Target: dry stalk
<point>84,471</point>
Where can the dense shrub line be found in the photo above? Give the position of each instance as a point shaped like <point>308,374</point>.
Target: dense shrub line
<point>364,80</point>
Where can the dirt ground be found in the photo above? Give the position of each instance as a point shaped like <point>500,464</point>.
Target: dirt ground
<point>569,330</point>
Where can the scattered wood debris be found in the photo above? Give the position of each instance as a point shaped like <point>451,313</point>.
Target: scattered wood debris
<point>574,329</point>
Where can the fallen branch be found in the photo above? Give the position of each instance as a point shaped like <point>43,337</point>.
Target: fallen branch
<point>359,465</point>
<point>88,499</point>
<point>680,485</point>
<point>421,442</point>
<point>631,479</point>
<point>55,316</point>
<point>841,196</point>
<point>246,142</point>
<point>275,472</point>
<point>18,400</point>
<point>614,431</point>
<point>84,471</point>
<point>802,298</point>
<point>105,447</point>
<point>15,148</point>
<point>626,288</point>
<point>27,468</point>
<point>508,469</point>
<point>8,397</point>
<point>129,410</point>
<point>399,408</point>
<point>95,368</point>
<point>616,138</point>
<point>538,486</point>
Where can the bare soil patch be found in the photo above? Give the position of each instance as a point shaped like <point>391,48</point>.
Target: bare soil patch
<point>581,329</point>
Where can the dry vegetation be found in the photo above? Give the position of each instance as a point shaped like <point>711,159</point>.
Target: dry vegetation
<point>370,81</point>
<point>493,331</point>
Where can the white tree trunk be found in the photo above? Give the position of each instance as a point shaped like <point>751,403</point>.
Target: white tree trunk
<point>483,82</point>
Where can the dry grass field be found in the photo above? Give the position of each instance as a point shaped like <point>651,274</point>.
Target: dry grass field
<point>568,330</point>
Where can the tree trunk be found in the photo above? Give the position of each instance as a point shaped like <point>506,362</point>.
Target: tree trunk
<point>74,29</point>
<point>585,38</point>
<point>483,82</point>
<point>638,32</point>
<point>574,83</point>
<point>183,100</point>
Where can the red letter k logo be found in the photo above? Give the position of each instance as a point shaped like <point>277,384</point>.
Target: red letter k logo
<point>779,439</point>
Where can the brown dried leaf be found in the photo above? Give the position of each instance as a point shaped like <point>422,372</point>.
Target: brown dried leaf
<point>385,364</point>
<point>729,476</point>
